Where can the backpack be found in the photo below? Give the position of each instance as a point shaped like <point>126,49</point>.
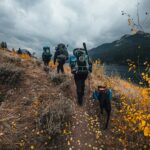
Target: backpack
<point>46,54</point>
<point>102,90</point>
<point>62,53</point>
<point>80,62</point>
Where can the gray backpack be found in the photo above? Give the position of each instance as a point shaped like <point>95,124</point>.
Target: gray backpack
<point>62,51</point>
<point>80,62</point>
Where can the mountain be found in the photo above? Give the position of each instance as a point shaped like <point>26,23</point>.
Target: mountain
<point>135,47</point>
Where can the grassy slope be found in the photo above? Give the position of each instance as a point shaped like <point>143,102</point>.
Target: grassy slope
<point>26,103</point>
<point>39,93</point>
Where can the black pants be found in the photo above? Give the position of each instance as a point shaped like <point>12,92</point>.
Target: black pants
<point>46,62</point>
<point>60,66</point>
<point>80,86</point>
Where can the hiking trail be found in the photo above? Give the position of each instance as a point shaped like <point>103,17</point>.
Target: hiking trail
<point>86,131</point>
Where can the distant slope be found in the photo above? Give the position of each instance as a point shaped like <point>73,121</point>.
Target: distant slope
<point>135,47</point>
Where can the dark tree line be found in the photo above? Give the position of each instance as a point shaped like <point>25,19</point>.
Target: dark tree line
<point>3,45</point>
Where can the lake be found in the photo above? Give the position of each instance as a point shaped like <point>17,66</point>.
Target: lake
<point>123,72</point>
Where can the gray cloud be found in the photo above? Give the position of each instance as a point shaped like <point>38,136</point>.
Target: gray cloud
<point>33,24</point>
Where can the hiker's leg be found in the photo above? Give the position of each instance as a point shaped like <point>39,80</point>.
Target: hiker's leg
<point>62,67</point>
<point>63,62</point>
<point>79,87</point>
<point>101,106</point>
<point>82,86</point>
<point>108,111</point>
<point>83,83</point>
<point>44,63</point>
<point>47,63</point>
<point>101,102</point>
<point>58,67</point>
<point>80,99</point>
<point>78,82</point>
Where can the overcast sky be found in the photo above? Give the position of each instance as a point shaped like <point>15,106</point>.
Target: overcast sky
<point>37,23</point>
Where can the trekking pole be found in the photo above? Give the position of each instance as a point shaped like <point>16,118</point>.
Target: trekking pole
<point>84,45</point>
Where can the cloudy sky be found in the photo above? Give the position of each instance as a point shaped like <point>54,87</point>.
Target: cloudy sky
<point>37,23</point>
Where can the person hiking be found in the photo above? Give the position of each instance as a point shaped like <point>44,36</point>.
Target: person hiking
<point>81,66</point>
<point>104,96</point>
<point>46,55</point>
<point>61,55</point>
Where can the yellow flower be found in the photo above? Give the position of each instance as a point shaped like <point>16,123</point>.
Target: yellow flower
<point>143,123</point>
<point>32,147</point>
<point>68,143</point>
<point>147,131</point>
<point>89,145</point>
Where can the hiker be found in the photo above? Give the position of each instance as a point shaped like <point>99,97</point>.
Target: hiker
<point>81,66</point>
<point>24,51</point>
<point>61,55</point>
<point>46,55</point>
<point>104,96</point>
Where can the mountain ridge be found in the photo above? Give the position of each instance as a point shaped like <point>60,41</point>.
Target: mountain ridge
<point>134,47</point>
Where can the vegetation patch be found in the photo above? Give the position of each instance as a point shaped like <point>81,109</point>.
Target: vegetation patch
<point>57,79</point>
<point>10,74</point>
<point>12,60</point>
<point>56,115</point>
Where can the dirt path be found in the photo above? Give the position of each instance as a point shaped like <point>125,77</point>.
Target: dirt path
<point>85,129</point>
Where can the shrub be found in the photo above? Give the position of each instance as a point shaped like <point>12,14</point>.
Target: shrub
<point>57,114</point>
<point>12,60</point>
<point>39,63</point>
<point>10,74</point>
<point>57,79</point>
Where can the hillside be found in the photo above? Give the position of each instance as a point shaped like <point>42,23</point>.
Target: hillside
<point>135,47</point>
<point>38,109</point>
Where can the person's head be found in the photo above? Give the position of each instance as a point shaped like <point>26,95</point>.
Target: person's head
<point>101,87</point>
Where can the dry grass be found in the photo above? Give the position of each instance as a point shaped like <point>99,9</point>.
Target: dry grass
<point>10,74</point>
<point>56,115</point>
<point>131,119</point>
<point>33,124</point>
<point>35,111</point>
<point>57,79</point>
<point>13,60</point>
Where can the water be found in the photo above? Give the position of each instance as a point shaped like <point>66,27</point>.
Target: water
<point>124,73</point>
